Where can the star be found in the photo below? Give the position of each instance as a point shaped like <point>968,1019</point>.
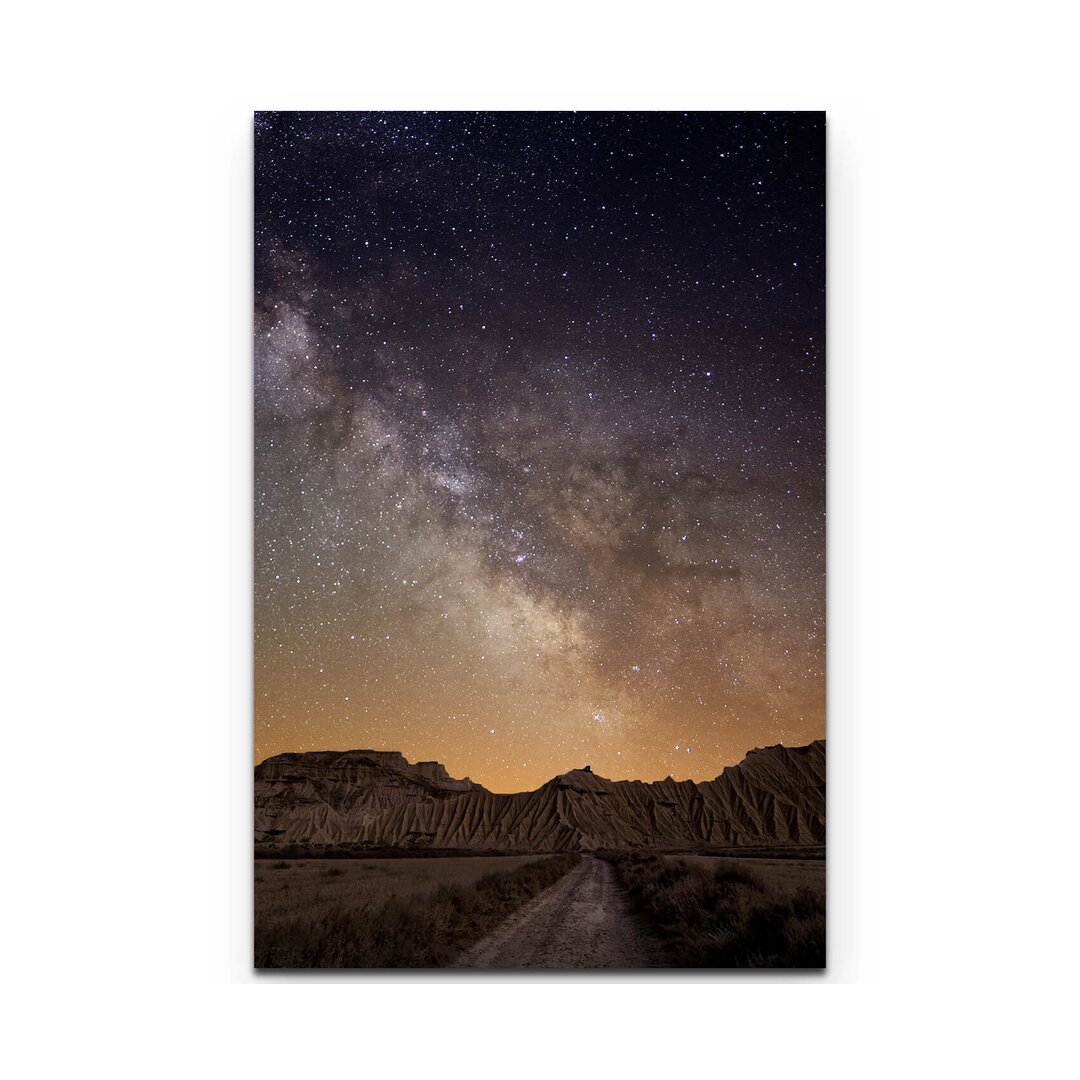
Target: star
<point>539,424</point>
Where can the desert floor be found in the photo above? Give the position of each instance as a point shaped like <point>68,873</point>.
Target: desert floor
<point>780,875</point>
<point>305,886</point>
<point>540,911</point>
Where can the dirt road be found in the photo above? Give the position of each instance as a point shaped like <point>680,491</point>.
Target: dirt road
<point>582,921</point>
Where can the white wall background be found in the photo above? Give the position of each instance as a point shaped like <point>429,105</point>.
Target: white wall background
<point>953,586</point>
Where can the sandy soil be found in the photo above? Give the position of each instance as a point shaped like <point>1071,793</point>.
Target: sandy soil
<point>582,921</point>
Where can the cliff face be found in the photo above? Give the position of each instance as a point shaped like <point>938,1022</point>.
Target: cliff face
<point>773,796</point>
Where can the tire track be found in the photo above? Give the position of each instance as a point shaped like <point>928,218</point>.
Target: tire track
<point>582,921</point>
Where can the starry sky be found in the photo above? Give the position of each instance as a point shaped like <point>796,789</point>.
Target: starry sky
<point>539,438</point>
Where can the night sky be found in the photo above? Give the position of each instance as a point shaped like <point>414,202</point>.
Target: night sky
<point>539,422</point>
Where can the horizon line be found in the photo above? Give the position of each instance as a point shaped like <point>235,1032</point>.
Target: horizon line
<point>577,768</point>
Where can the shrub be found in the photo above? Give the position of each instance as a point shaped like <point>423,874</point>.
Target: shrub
<point>428,930</point>
<point>723,917</point>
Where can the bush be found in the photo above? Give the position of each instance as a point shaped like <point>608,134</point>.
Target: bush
<point>723,917</point>
<point>423,931</point>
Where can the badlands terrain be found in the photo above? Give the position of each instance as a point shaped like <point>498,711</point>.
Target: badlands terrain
<point>376,799</point>
<point>365,860</point>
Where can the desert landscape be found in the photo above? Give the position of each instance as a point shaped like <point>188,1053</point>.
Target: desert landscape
<point>539,514</point>
<point>365,860</point>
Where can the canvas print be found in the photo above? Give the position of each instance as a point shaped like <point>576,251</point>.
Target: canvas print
<point>539,540</point>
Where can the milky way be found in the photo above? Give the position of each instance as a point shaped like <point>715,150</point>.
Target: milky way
<point>539,432</point>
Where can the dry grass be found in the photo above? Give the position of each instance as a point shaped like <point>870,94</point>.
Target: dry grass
<point>388,912</point>
<point>777,875</point>
<point>294,887</point>
<point>718,912</point>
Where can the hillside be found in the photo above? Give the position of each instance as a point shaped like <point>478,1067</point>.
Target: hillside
<point>774,796</point>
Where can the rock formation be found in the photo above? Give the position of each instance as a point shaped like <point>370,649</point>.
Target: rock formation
<point>774,796</point>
